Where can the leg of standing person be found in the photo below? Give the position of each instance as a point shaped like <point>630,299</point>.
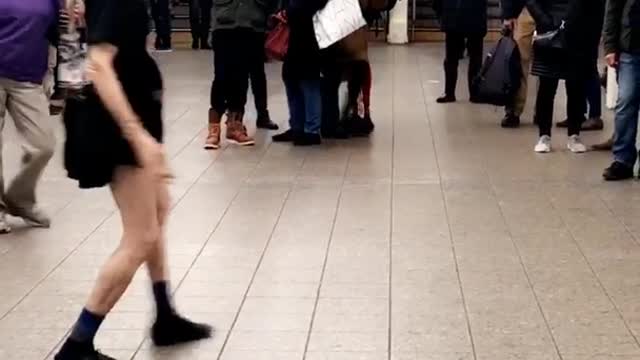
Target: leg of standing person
<point>222,67</point>
<point>143,202</point>
<point>29,109</point>
<point>594,99</point>
<point>312,101</point>
<point>205,23</point>
<point>454,47</point>
<point>475,47</point>
<point>625,152</point>
<point>194,22</point>
<point>259,84</point>
<point>162,20</point>
<point>576,85</point>
<point>238,85</point>
<point>295,101</point>
<point>330,85</point>
<point>547,89</point>
<point>525,28</point>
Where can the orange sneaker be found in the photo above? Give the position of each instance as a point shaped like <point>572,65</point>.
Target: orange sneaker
<point>213,135</point>
<point>237,132</point>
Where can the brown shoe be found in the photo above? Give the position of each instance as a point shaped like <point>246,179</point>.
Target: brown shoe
<point>213,136</point>
<point>237,132</point>
<point>605,146</point>
<point>593,124</point>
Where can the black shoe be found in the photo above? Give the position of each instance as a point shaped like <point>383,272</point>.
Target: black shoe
<point>195,44</point>
<point>563,124</point>
<point>264,122</point>
<point>204,44</point>
<point>360,127</point>
<point>72,350</point>
<point>287,136</point>
<point>446,99</point>
<point>174,330</point>
<point>475,100</point>
<point>510,121</point>
<point>617,171</point>
<point>593,124</point>
<point>306,139</point>
<point>339,132</point>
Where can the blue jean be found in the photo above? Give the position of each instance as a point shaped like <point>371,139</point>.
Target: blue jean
<point>305,105</point>
<point>594,94</point>
<point>627,107</point>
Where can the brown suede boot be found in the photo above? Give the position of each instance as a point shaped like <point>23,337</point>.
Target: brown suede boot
<point>213,135</point>
<point>605,146</point>
<point>237,132</point>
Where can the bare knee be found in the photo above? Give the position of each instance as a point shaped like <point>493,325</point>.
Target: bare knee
<point>141,244</point>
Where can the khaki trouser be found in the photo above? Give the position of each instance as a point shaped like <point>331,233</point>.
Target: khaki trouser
<point>29,109</point>
<point>523,35</point>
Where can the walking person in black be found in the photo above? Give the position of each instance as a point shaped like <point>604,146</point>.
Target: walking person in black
<point>114,135</point>
<point>464,23</point>
<point>200,20</point>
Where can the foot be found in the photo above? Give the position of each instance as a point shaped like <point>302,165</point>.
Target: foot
<point>175,330</point>
<point>237,134</point>
<point>475,100</point>
<point>339,132</point>
<point>204,45</point>
<point>605,146</point>
<point>563,124</point>
<point>32,216</point>
<point>360,126</point>
<point>445,99</point>
<point>213,137</point>
<point>593,124</point>
<point>4,226</point>
<point>510,121</point>
<point>617,171</point>
<point>287,136</point>
<point>264,122</point>
<point>544,145</point>
<point>195,44</point>
<point>307,139</point>
<point>77,351</point>
<point>575,145</point>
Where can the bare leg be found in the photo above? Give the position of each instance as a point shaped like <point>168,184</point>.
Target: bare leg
<point>157,264</point>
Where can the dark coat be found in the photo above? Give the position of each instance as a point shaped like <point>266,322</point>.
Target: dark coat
<point>303,58</point>
<point>511,9</point>
<point>462,16</point>
<point>622,27</point>
<point>583,26</point>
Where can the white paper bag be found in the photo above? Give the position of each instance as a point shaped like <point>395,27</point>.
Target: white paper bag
<point>336,21</point>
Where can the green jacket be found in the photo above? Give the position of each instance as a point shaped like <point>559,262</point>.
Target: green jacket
<point>249,14</point>
<point>622,27</point>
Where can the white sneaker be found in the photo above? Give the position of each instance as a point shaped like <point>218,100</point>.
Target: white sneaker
<point>575,145</point>
<point>4,226</point>
<point>543,145</point>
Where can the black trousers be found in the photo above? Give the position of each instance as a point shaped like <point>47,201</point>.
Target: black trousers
<point>455,45</point>
<point>259,82</point>
<point>161,13</point>
<point>200,18</point>
<point>236,52</point>
<point>576,99</point>
<point>330,87</point>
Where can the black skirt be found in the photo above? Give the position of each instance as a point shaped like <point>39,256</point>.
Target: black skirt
<point>94,145</point>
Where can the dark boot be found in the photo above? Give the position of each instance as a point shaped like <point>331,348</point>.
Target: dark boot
<point>195,43</point>
<point>264,122</point>
<point>204,41</point>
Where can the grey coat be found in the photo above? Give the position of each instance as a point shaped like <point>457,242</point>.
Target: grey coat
<point>249,14</point>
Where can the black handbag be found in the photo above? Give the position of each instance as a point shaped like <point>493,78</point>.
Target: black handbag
<point>551,40</point>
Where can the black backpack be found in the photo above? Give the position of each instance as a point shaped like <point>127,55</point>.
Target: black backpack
<point>373,10</point>
<point>501,74</point>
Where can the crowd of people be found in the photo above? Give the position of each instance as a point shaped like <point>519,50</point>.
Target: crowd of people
<point>578,28</point>
<point>113,120</point>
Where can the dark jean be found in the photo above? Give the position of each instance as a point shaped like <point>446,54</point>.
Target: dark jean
<point>161,12</point>
<point>305,105</point>
<point>455,43</point>
<point>627,108</point>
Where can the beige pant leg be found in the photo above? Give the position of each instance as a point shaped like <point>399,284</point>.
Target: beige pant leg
<point>29,109</point>
<point>525,28</point>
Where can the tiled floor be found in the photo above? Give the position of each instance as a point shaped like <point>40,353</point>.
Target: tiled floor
<point>442,237</point>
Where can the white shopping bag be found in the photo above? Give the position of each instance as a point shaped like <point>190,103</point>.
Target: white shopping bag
<point>336,21</point>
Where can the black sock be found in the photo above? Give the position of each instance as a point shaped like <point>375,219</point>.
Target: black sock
<point>164,307</point>
<point>85,329</point>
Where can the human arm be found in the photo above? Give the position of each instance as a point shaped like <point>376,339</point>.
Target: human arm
<point>612,30</point>
<point>543,19</point>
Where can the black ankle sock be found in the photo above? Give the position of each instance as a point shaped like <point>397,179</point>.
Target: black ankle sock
<point>164,307</point>
<point>85,329</point>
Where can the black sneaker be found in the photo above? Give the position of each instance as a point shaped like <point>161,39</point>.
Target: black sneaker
<point>287,136</point>
<point>308,140</point>
<point>174,330</point>
<point>264,122</point>
<point>618,171</point>
<point>72,350</point>
<point>195,44</point>
<point>339,132</point>
<point>510,121</point>
<point>446,99</point>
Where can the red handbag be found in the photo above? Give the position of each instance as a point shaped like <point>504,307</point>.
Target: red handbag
<point>277,43</point>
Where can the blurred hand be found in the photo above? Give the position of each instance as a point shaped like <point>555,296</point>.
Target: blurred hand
<point>612,60</point>
<point>151,156</point>
<point>510,24</point>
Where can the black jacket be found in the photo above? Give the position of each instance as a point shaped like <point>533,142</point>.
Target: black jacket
<point>462,16</point>
<point>622,27</point>
<point>303,56</point>
<point>511,9</point>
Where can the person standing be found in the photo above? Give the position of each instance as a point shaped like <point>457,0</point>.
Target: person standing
<point>200,20</point>
<point>622,49</point>
<point>258,79</point>
<point>238,41</point>
<point>27,29</point>
<point>464,23</point>
<point>518,19</point>
<point>161,12</point>
<point>114,133</point>
<point>581,22</point>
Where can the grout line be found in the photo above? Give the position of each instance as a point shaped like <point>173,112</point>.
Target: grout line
<point>391,214</point>
<point>446,211</point>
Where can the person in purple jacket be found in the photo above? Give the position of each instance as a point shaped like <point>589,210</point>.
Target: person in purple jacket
<point>27,27</point>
